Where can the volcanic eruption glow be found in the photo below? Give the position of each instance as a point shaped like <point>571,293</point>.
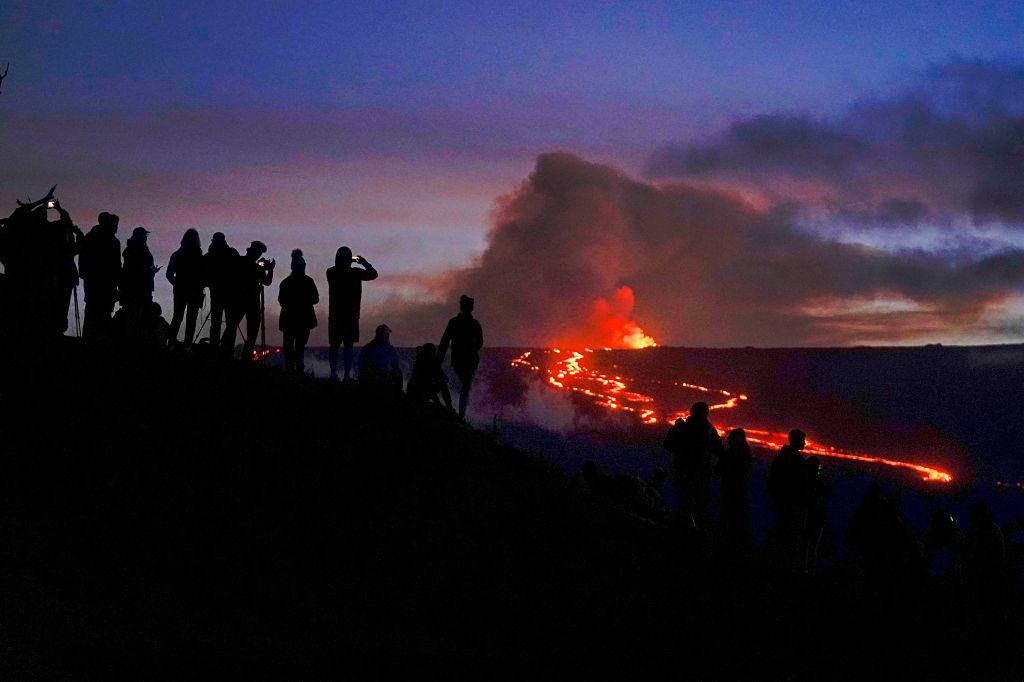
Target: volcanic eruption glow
<point>569,373</point>
<point>610,320</point>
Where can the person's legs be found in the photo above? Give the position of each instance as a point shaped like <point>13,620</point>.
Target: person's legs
<point>252,330</point>
<point>349,354</point>
<point>332,359</point>
<point>288,350</point>
<point>191,314</point>
<point>301,338</point>
<point>227,341</point>
<point>465,375</point>
<point>63,308</point>
<point>180,302</point>
<point>216,316</point>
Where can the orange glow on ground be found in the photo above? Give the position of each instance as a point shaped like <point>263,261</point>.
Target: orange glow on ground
<point>569,373</point>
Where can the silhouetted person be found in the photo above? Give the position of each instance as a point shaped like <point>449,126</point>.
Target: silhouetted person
<point>466,338</point>
<point>66,244</point>
<point>865,529</point>
<point>788,493</point>
<point>819,489</point>
<point>185,273</point>
<point>693,443</point>
<point>249,274</point>
<point>427,379</point>
<point>734,468</point>
<point>378,362</point>
<point>985,572</point>
<point>218,264</point>
<point>99,266</point>
<point>345,292</point>
<point>626,492</point>
<point>31,255</point>
<point>943,546</point>
<point>297,296</point>
<point>138,271</point>
<point>141,327</point>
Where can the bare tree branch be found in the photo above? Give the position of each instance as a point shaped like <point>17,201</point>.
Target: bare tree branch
<point>4,74</point>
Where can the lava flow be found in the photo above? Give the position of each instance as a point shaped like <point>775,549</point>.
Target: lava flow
<point>613,393</point>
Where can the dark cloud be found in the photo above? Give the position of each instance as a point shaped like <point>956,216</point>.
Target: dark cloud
<point>952,144</point>
<point>579,240</point>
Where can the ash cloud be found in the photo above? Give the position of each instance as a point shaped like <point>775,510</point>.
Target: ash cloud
<point>952,144</point>
<point>705,267</point>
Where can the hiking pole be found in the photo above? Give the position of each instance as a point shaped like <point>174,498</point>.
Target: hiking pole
<point>78,319</point>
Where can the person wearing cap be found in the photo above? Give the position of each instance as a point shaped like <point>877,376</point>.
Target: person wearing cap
<point>138,271</point>
<point>378,362</point>
<point>99,266</point>
<point>249,275</point>
<point>345,291</point>
<point>217,265</point>
<point>466,338</point>
<point>297,296</point>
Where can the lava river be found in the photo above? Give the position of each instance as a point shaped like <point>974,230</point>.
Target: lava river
<point>568,371</point>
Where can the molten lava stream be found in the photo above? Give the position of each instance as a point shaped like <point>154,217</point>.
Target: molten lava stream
<point>568,373</point>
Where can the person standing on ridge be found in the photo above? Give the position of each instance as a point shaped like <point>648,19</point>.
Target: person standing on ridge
<point>185,273</point>
<point>788,491</point>
<point>138,272</point>
<point>249,274</point>
<point>466,338</point>
<point>345,292</point>
<point>692,444</point>
<point>99,266</point>
<point>217,264</point>
<point>297,296</point>
<point>67,243</point>
<point>734,469</point>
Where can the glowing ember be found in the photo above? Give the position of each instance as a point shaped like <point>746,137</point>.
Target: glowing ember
<point>258,354</point>
<point>613,393</point>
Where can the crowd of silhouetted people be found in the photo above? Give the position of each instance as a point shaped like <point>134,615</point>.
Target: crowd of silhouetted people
<point>964,582</point>
<point>972,576</point>
<point>45,261</point>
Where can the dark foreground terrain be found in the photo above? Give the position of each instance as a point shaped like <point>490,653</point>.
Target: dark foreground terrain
<point>170,516</point>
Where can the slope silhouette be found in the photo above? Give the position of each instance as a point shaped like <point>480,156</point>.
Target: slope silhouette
<point>173,514</point>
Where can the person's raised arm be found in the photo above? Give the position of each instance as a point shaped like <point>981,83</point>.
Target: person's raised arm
<point>369,272</point>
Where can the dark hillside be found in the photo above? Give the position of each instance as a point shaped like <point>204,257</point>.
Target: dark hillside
<point>168,515</point>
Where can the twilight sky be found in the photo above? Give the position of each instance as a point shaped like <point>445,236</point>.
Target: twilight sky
<point>718,173</point>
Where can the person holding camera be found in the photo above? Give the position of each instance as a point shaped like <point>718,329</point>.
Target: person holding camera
<point>249,275</point>
<point>345,291</point>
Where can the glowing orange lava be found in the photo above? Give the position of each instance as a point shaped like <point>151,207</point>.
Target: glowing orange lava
<point>613,393</point>
<point>610,320</point>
